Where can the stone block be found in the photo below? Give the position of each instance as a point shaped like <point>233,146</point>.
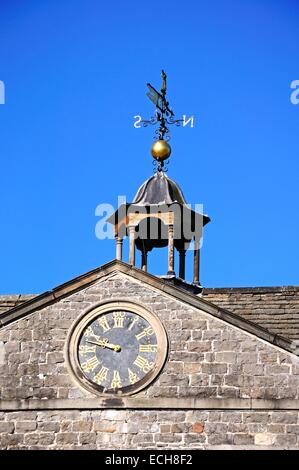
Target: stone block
<point>214,368</point>
<point>285,440</point>
<point>192,367</point>
<point>226,357</point>
<point>264,439</point>
<point>12,346</point>
<point>226,345</point>
<point>8,440</point>
<point>50,426</point>
<point>171,379</point>
<point>256,417</point>
<point>25,426</point>
<point>165,428</point>
<point>189,324</point>
<point>82,426</point>
<point>201,380</point>
<point>54,357</point>
<point>277,369</point>
<point>144,438</point>
<point>180,428</point>
<point>168,438</point>
<point>211,334</point>
<point>216,439</point>
<point>67,438</point>
<point>6,427</point>
<point>216,428</point>
<point>195,438</point>
<point>287,417</point>
<point>199,346</point>
<point>46,438</point>
<point>87,438</point>
<point>105,426</point>
<point>231,417</point>
<point>198,427</point>
<point>247,358</point>
<point>243,439</point>
<point>196,335</point>
<point>19,357</point>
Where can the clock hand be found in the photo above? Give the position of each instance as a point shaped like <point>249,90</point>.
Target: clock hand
<point>105,344</point>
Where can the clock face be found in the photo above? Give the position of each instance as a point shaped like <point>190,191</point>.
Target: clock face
<point>119,351</point>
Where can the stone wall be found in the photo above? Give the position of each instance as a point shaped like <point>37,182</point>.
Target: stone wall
<point>208,359</point>
<point>123,429</point>
<point>274,308</point>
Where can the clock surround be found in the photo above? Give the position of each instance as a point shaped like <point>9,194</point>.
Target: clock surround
<point>116,348</point>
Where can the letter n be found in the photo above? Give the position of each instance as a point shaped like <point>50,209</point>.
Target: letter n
<point>186,121</point>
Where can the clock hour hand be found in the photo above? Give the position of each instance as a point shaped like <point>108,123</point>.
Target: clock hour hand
<point>104,343</point>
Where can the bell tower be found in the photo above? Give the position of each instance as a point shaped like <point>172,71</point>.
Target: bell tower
<point>159,215</point>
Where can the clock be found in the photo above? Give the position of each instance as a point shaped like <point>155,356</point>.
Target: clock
<point>117,348</point>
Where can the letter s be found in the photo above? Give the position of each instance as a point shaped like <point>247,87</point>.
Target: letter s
<point>136,123</point>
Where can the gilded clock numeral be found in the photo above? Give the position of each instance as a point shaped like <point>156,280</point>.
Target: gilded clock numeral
<point>84,349</point>
<point>148,347</point>
<point>132,377</point>
<point>146,332</point>
<point>90,364</point>
<point>118,318</point>
<point>135,320</point>
<point>104,324</point>
<point>116,381</point>
<point>101,376</point>
<point>143,364</point>
<point>89,332</point>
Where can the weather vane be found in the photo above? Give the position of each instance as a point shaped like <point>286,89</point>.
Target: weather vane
<point>164,116</point>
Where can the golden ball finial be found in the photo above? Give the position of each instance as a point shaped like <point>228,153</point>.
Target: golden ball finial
<point>161,150</point>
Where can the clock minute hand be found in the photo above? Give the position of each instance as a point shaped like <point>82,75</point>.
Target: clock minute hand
<point>105,344</point>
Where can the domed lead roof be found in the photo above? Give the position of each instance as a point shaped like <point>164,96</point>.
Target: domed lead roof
<point>159,189</point>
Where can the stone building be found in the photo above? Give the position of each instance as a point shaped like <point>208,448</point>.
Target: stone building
<point>119,358</point>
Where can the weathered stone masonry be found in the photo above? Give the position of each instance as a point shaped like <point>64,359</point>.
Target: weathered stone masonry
<point>98,429</point>
<point>221,386</point>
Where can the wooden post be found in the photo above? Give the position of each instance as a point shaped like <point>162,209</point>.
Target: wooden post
<point>132,245</point>
<point>196,262</point>
<point>182,264</point>
<point>119,247</point>
<point>170,251</point>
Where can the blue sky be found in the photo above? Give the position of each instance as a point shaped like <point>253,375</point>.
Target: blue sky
<point>75,74</point>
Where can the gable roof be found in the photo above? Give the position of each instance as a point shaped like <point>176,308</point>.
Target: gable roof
<point>274,308</point>
<point>47,298</point>
<point>9,301</point>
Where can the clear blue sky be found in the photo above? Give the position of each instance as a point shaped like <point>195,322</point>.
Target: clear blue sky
<point>75,73</point>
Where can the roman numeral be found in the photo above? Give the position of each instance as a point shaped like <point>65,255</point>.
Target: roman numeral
<point>148,347</point>
<point>146,332</point>
<point>104,324</point>
<point>89,332</point>
<point>84,349</point>
<point>118,318</point>
<point>132,376</point>
<point>135,320</point>
<point>101,376</point>
<point>116,381</point>
<point>91,364</point>
<point>143,364</point>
